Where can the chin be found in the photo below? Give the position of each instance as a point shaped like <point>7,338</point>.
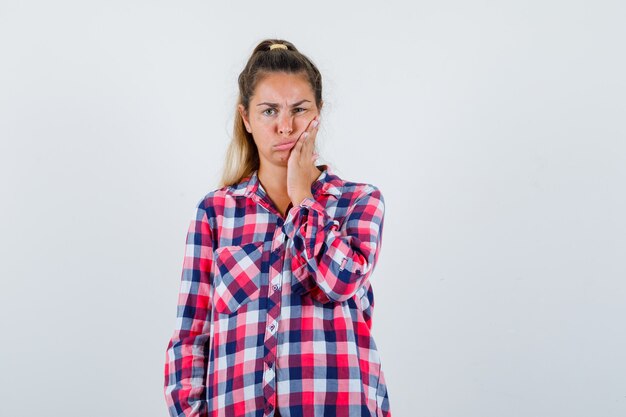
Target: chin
<point>281,161</point>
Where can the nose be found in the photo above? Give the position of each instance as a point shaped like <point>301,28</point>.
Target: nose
<point>285,125</point>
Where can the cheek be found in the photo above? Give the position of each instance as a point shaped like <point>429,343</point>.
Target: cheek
<point>301,123</point>
<point>261,132</point>
<point>261,124</point>
<point>257,125</point>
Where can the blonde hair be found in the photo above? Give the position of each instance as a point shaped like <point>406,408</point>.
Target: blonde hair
<point>242,155</point>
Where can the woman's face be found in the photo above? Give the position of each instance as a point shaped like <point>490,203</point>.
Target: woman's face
<point>281,108</point>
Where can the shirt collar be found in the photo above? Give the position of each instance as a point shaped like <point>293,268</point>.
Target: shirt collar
<point>326,183</point>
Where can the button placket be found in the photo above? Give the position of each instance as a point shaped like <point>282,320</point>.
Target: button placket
<point>273,314</point>
<point>276,283</point>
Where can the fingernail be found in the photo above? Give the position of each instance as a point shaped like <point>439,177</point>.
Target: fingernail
<point>305,135</point>
<point>315,123</point>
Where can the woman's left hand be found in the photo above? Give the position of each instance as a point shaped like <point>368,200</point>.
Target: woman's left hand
<point>301,169</point>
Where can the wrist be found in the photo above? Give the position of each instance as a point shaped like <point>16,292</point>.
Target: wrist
<point>300,197</point>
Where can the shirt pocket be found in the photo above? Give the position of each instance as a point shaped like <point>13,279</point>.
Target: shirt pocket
<point>238,276</point>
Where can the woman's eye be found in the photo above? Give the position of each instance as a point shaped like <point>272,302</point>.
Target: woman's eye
<point>269,112</point>
<point>299,110</point>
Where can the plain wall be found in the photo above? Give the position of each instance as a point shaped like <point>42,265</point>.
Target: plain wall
<point>495,131</point>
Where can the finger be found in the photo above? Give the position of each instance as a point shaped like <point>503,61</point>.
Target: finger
<point>306,142</point>
<point>311,127</point>
<point>300,143</point>
<point>312,134</point>
<point>313,123</point>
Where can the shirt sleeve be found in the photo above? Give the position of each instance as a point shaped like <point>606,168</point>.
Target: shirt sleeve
<point>329,262</point>
<point>187,351</point>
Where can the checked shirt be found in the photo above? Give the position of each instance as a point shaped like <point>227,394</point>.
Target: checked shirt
<point>275,314</point>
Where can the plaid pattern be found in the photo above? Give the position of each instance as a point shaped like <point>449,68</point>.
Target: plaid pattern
<point>275,314</point>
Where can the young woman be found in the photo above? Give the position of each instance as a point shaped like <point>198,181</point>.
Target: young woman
<point>275,304</point>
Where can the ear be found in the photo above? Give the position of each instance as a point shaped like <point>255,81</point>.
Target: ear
<point>244,116</point>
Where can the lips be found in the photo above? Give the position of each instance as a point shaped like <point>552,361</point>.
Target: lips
<point>285,145</point>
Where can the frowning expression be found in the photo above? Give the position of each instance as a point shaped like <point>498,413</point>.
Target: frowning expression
<point>281,108</point>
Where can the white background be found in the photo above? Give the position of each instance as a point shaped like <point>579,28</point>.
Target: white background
<point>495,131</point>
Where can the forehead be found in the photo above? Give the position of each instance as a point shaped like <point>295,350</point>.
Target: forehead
<point>282,86</point>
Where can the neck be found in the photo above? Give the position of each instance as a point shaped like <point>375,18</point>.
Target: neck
<point>274,179</point>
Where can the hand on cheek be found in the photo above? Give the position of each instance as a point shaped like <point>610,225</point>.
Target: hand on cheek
<point>301,169</point>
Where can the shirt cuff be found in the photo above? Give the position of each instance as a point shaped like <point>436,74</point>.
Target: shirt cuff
<point>312,203</point>
<point>295,212</point>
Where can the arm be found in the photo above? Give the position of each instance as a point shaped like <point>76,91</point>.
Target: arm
<point>330,263</point>
<point>187,351</point>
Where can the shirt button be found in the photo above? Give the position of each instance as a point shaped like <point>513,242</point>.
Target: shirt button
<point>273,327</point>
<point>275,287</point>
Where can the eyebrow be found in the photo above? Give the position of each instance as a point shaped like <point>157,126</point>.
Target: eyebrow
<point>276,104</point>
